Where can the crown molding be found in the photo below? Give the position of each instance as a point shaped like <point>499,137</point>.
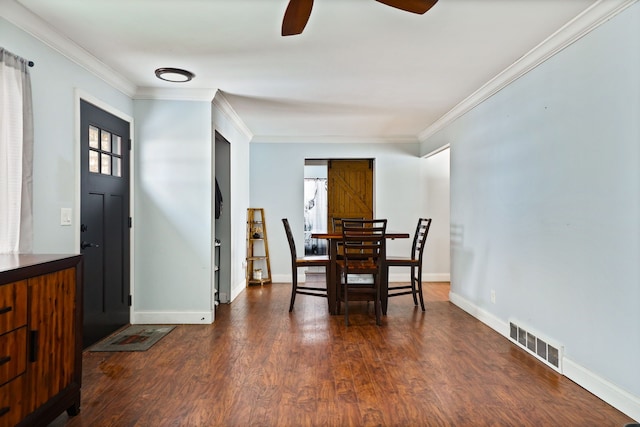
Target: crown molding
<point>591,18</point>
<point>41,30</point>
<point>333,139</point>
<point>594,16</point>
<point>178,94</point>
<point>221,103</point>
<point>436,151</point>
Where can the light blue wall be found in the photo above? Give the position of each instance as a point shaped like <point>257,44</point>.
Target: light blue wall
<point>434,203</point>
<point>276,183</point>
<point>172,232</point>
<point>545,204</point>
<point>173,211</point>
<point>56,82</point>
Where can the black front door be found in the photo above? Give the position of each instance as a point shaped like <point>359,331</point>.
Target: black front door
<point>104,221</point>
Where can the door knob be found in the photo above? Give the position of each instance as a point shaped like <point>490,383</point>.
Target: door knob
<point>85,245</point>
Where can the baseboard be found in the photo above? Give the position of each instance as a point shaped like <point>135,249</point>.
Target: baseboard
<point>172,318</point>
<point>610,393</point>
<point>603,389</point>
<point>482,315</point>
<point>237,290</point>
<point>284,278</point>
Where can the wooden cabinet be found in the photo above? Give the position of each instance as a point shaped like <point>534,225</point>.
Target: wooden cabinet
<point>13,350</point>
<point>11,403</point>
<point>40,338</point>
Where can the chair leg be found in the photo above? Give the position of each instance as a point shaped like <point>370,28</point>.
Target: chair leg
<point>420,288</point>
<point>413,285</point>
<point>294,288</point>
<point>377,304</point>
<point>346,302</point>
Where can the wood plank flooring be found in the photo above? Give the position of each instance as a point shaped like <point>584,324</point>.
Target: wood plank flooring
<point>259,365</point>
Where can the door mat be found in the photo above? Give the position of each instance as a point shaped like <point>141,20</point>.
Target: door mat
<point>133,338</point>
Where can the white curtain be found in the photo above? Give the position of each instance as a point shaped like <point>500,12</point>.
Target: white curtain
<point>16,155</point>
<point>315,215</point>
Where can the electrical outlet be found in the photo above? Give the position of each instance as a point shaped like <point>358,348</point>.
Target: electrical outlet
<point>493,296</point>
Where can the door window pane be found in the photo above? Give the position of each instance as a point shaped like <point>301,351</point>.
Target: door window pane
<point>93,161</point>
<point>117,167</point>
<point>116,143</point>
<point>94,133</point>
<point>105,164</point>
<point>105,141</point>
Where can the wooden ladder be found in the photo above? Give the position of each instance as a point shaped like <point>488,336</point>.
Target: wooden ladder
<point>258,265</point>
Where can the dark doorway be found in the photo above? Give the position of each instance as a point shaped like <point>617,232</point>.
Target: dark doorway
<point>223,223</point>
<point>105,224</point>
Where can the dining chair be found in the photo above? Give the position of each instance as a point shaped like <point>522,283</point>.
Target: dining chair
<point>414,262</point>
<point>336,223</point>
<point>363,243</point>
<point>305,261</point>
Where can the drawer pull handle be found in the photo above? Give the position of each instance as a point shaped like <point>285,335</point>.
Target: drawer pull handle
<point>5,359</point>
<point>7,309</point>
<point>33,346</point>
<point>5,410</point>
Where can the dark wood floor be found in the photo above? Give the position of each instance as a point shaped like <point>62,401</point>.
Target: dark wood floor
<point>259,365</point>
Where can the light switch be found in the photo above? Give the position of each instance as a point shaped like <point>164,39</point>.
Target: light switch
<point>65,216</point>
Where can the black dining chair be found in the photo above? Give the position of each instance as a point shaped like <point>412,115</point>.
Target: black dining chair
<point>363,243</point>
<point>336,223</point>
<point>305,261</point>
<point>414,262</point>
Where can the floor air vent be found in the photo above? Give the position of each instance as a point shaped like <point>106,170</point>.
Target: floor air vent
<point>540,348</point>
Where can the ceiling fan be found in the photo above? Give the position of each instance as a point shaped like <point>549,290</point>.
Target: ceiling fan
<point>298,12</point>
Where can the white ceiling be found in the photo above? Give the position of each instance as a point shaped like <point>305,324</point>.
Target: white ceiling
<point>361,70</point>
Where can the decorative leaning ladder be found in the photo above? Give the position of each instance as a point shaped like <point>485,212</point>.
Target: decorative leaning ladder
<point>258,265</point>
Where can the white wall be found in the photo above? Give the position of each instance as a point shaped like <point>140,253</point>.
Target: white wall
<point>56,81</point>
<point>277,178</point>
<point>173,212</point>
<point>545,207</point>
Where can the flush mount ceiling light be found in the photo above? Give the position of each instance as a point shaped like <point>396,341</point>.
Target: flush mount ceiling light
<point>175,75</point>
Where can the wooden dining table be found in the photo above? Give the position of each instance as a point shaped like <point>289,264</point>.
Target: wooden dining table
<point>332,286</point>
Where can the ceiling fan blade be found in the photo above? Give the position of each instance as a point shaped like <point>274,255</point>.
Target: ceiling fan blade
<point>296,16</point>
<point>414,6</point>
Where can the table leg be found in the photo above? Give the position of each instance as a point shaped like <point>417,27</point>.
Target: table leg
<point>384,283</point>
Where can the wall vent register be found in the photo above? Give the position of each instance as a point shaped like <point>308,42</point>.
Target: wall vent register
<point>539,347</point>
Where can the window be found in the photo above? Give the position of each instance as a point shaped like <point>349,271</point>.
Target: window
<point>105,152</point>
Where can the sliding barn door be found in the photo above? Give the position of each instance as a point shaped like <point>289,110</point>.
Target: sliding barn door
<point>350,189</point>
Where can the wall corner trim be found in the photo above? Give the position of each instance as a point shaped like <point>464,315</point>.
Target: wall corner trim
<point>221,103</point>
<point>172,317</point>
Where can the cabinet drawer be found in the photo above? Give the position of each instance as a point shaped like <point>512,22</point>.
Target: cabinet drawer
<point>13,306</point>
<point>11,402</point>
<point>13,354</point>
